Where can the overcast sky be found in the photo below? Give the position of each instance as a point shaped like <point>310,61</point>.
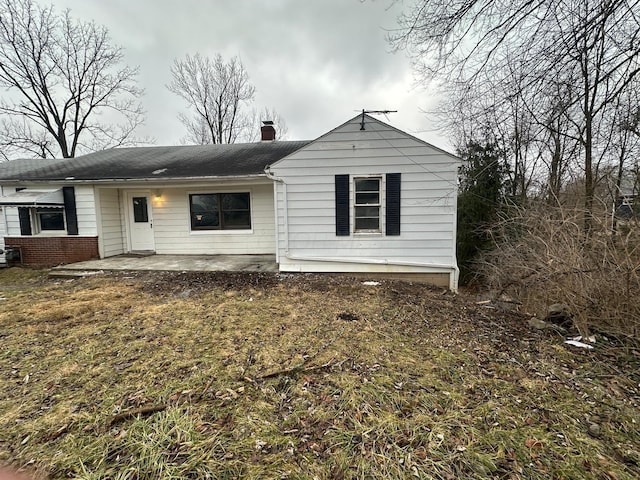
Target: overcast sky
<point>315,62</point>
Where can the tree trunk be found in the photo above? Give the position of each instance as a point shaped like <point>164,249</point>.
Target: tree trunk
<point>554,174</point>
<point>589,187</point>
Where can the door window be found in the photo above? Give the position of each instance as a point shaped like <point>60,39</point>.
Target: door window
<point>140,212</point>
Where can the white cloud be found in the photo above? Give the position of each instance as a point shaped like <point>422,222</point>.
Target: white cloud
<point>316,63</point>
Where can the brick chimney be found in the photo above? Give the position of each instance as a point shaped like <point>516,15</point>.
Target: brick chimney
<point>268,131</point>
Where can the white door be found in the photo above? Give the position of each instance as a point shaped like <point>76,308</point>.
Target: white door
<point>140,222</point>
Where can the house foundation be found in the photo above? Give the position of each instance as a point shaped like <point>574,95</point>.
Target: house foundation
<point>51,251</point>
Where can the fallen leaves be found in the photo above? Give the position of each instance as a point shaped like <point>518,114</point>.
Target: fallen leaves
<point>532,443</point>
<point>418,382</point>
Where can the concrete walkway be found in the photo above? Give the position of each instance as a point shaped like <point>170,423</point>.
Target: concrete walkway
<point>199,263</point>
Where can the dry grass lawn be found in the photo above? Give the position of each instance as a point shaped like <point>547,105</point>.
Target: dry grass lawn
<point>159,376</point>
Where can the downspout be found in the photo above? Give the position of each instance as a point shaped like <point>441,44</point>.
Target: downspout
<point>285,202</point>
<point>455,276</point>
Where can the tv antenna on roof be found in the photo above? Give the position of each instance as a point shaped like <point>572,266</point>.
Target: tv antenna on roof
<point>374,112</point>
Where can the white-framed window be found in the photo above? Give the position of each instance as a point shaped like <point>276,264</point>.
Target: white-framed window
<point>49,219</point>
<point>367,204</point>
<point>220,211</point>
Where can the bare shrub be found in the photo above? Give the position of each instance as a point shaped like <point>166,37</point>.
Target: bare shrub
<point>542,257</point>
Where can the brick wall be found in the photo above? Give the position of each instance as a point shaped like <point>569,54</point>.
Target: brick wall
<point>50,251</point>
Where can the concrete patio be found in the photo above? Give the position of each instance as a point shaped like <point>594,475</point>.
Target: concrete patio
<point>200,263</point>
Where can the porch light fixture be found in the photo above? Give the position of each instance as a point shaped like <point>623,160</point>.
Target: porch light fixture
<point>157,198</point>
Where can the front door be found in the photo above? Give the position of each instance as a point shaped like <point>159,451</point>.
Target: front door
<point>140,222</point>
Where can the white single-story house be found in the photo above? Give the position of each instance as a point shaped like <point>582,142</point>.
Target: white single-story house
<point>363,198</point>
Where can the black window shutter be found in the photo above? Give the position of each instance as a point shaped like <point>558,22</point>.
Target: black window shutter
<point>342,205</point>
<point>25,221</point>
<point>393,204</point>
<point>69,196</point>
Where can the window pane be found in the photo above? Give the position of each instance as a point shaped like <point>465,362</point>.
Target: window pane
<point>51,221</point>
<point>236,219</point>
<point>367,218</point>
<point>367,198</point>
<point>140,214</point>
<point>235,211</point>
<point>235,201</point>
<point>204,212</point>
<point>204,203</point>
<point>205,220</point>
<point>368,223</point>
<point>367,185</point>
<point>367,212</point>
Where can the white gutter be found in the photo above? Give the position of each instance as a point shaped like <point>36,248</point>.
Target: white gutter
<point>72,180</point>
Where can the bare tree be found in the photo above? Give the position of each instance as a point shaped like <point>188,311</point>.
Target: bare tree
<point>218,93</point>
<point>593,45</point>
<point>62,76</point>
<point>496,112</point>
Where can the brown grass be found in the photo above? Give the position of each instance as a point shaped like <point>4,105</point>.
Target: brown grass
<point>265,376</point>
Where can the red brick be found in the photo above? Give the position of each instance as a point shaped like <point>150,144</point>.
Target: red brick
<point>50,251</point>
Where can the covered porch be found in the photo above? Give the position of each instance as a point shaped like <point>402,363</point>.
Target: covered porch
<point>213,219</point>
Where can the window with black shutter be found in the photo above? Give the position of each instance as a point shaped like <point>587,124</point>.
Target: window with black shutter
<point>370,193</point>
<point>49,217</point>
<point>36,220</point>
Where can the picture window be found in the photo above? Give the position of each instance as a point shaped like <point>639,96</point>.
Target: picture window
<point>220,211</point>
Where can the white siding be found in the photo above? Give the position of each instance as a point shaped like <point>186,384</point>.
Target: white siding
<point>86,210</point>
<point>111,223</point>
<point>11,215</point>
<point>173,235</point>
<point>428,203</point>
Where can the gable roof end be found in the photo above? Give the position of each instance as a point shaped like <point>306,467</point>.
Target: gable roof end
<point>369,118</point>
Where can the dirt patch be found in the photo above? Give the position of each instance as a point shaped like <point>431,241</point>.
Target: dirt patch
<point>163,283</point>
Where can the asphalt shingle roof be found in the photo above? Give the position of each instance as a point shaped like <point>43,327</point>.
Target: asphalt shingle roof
<point>18,167</point>
<point>189,161</point>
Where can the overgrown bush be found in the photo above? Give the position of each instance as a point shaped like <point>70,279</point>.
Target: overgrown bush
<point>542,257</point>
<point>482,192</point>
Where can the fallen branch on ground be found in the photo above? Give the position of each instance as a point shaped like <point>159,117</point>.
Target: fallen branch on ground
<point>300,368</point>
<point>136,411</point>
